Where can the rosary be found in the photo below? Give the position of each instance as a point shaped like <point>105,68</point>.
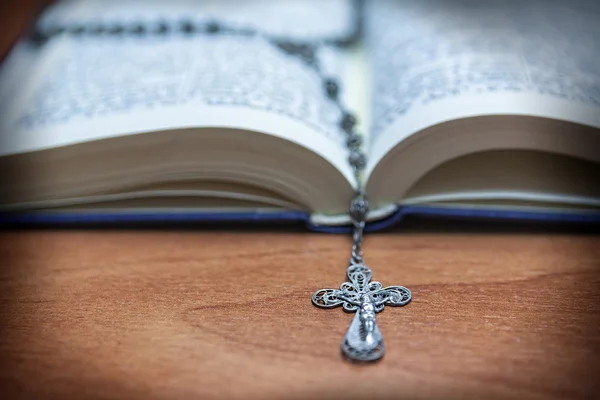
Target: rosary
<point>363,341</point>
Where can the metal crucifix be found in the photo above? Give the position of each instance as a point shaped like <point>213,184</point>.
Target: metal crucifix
<point>363,341</point>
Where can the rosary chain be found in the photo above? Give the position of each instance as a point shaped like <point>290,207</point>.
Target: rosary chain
<point>305,51</point>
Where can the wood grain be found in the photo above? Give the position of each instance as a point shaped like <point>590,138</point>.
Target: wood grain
<point>169,315</point>
<point>162,315</point>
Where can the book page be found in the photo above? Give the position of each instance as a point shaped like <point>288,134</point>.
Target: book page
<point>435,60</point>
<point>94,87</point>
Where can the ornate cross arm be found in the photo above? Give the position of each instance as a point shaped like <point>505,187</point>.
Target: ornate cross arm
<point>363,340</point>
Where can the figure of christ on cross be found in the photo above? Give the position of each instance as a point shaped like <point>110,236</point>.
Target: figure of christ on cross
<point>363,340</point>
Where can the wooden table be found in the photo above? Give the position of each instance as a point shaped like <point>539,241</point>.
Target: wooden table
<point>162,315</point>
<point>186,315</point>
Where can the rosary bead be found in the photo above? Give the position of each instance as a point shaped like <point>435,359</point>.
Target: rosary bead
<point>354,141</point>
<point>162,28</point>
<point>309,57</point>
<point>138,29</point>
<point>307,53</point>
<point>357,159</point>
<point>302,50</point>
<point>187,27</point>
<point>76,30</point>
<point>247,31</point>
<point>359,208</point>
<point>286,46</point>
<point>38,37</point>
<point>342,42</point>
<point>54,31</point>
<point>97,30</point>
<point>331,88</point>
<point>116,30</point>
<point>213,27</point>
<point>347,123</point>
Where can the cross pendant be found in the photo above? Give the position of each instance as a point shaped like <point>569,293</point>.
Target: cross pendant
<point>363,341</point>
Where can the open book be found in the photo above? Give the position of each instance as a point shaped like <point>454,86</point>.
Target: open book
<point>469,108</point>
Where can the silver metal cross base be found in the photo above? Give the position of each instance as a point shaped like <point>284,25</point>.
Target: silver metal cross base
<point>363,341</point>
